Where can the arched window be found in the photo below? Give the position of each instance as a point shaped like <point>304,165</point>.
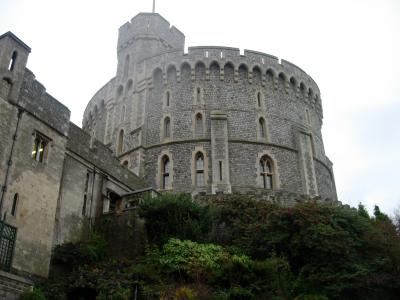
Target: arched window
<point>167,127</point>
<point>259,99</point>
<point>266,172</point>
<point>302,88</point>
<point>243,72</point>
<point>128,87</point>
<point>165,172</point>
<point>262,128</point>
<point>199,169</point>
<point>120,141</point>
<point>14,205</point>
<point>199,124</point>
<point>293,82</point>
<point>13,61</point>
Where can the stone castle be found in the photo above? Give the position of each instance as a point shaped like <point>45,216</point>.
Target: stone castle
<point>208,121</point>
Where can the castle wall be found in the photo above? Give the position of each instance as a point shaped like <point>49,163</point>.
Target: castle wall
<point>8,120</point>
<point>37,185</point>
<point>90,172</point>
<point>71,224</point>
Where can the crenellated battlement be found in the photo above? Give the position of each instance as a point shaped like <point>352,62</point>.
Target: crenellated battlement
<point>253,61</point>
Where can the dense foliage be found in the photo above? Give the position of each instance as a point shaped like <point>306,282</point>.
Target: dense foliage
<point>175,216</point>
<point>241,249</point>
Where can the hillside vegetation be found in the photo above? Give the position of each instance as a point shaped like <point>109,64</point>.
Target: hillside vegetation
<point>238,249</point>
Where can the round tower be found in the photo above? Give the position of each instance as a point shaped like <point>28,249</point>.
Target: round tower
<point>211,120</point>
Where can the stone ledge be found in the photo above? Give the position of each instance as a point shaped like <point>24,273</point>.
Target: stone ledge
<point>13,286</point>
<point>16,278</point>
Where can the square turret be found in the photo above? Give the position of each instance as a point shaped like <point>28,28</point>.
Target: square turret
<point>13,58</point>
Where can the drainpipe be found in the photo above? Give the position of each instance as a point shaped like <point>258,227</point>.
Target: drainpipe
<point>9,162</point>
<point>91,200</point>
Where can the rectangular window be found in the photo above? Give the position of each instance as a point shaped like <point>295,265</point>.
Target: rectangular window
<point>165,181</point>
<point>39,147</point>
<point>200,179</point>
<point>269,182</point>
<point>220,170</point>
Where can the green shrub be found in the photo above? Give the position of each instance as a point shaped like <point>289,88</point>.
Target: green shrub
<point>176,216</point>
<point>220,295</point>
<point>115,294</point>
<point>185,293</point>
<point>35,294</point>
<point>312,297</point>
<point>239,293</point>
<point>190,258</point>
<point>92,250</point>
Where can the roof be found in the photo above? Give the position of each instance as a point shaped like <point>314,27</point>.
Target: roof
<point>15,38</point>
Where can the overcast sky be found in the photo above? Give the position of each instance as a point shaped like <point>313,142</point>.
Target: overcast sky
<point>350,47</point>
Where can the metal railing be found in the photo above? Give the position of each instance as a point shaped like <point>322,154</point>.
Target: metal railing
<point>8,235</point>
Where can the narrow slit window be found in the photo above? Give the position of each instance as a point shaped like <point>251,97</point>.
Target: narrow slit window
<point>262,127</point>
<point>126,67</point>
<point>120,141</point>
<point>199,124</point>
<point>167,127</point>
<point>220,170</point>
<point>123,110</point>
<point>167,98</point>
<point>198,95</point>
<point>14,205</point>
<point>259,99</point>
<point>12,61</point>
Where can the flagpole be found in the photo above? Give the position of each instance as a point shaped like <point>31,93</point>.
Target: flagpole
<point>154,6</point>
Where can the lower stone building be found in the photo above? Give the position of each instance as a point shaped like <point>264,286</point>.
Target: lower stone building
<point>54,178</point>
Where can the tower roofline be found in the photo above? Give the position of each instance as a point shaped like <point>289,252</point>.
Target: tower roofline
<point>14,37</point>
